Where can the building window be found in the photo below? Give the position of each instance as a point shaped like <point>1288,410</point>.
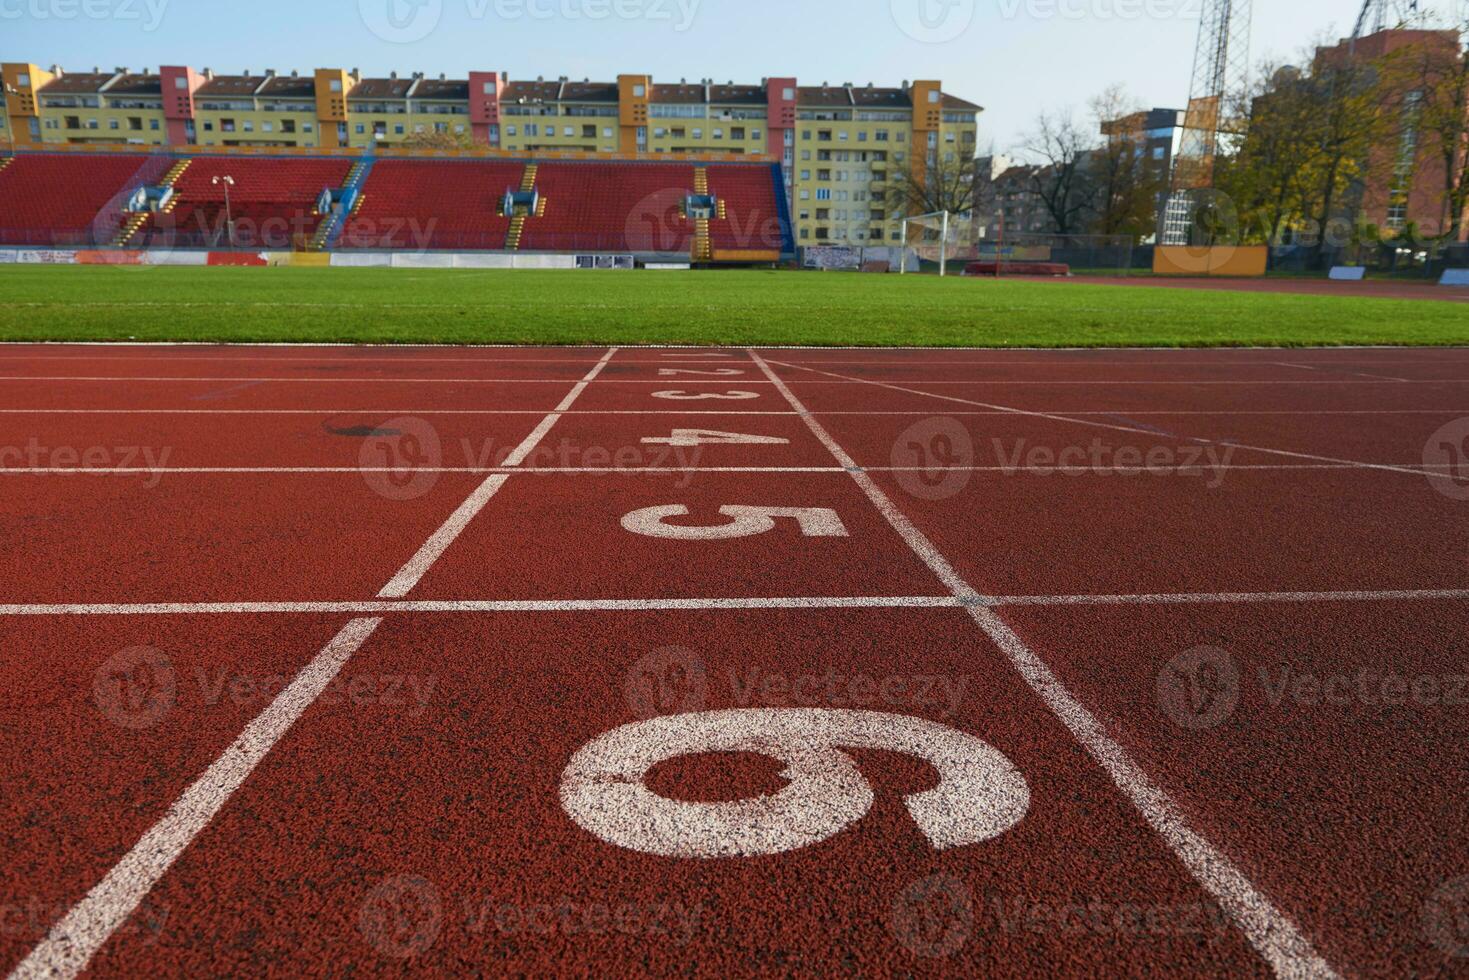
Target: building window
<point>336,85</point>
<point>639,91</point>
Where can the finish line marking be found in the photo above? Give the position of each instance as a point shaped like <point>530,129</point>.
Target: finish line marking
<point>502,606</point>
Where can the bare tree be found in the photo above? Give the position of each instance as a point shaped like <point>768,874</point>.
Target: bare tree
<point>1126,185</point>
<point>934,185</point>
<point>1062,181</point>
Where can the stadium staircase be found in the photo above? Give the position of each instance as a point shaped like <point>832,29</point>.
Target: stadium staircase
<point>703,248</point>
<point>330,231</point>
<point>137,222</point>
<point>517,221</point>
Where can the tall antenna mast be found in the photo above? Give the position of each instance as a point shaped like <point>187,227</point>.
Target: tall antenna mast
<point>1221,65</point>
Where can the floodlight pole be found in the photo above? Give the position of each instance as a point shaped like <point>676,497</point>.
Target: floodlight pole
<point>229,219</point>
<point>9,122</point>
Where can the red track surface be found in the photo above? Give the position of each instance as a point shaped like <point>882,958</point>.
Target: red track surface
<point>1221,649</point>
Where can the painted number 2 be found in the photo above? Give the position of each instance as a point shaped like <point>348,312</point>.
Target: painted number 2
<point>980,794</point>
<point>744,522</point>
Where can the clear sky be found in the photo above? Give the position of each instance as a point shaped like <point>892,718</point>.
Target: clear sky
<point>1015,57</point>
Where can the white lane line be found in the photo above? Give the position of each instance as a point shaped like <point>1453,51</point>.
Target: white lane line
<point>124,379</point>
<point>1273,935</point>
<point>243,380</point>
<point>398,607</point>
<point>71,942</point>
<point>389,412</point>
<point>1423,469</point>
<point>1224,598</point>
<point>394,412</point>
<point>896,363</point>
<point>417,566</point>
<point>1337,370</point>
<point>1008,410</point>
<point>474,606</point>
<point>70,945</point>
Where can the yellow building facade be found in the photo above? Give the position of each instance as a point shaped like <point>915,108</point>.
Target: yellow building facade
<point>842,147</point>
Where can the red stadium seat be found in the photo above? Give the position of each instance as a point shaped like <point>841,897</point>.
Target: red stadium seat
<point>66,200</point>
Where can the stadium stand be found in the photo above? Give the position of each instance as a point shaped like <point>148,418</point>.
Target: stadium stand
<point>69,200</point>
<point>749,218</point>
<point>433,204</point>
<point>272,202</point>
<point>707,212</point>
<point>597,206</point>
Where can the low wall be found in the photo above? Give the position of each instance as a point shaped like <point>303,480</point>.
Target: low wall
<point>311,260</point>
<point>1219,260</point>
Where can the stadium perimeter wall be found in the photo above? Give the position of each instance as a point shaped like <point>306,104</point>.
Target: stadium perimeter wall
<point>376,260</point>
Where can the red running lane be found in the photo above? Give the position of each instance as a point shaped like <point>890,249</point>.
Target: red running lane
<point>420,827</point>
<point>436,841</point>
<point>89,762</point>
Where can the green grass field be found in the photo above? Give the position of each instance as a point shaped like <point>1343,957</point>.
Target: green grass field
<point>734,307</point>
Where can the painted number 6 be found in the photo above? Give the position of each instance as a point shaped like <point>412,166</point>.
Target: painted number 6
<point>815,522</point>
<point>980,794</point>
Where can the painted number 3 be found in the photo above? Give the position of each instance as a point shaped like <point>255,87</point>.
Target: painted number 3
<point>744,522</point>
<point>980,794</point>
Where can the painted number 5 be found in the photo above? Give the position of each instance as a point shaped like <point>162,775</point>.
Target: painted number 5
<point>980,794</point>
<point>744,522</point>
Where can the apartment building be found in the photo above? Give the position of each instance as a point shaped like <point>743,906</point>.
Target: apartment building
<point>842,146</point>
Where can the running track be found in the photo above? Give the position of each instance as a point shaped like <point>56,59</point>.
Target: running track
<point>347,660</point>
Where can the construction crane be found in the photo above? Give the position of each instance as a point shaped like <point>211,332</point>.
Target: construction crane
<point>1221,65</point>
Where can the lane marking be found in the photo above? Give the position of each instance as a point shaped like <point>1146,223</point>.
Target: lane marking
<point>1337,370</point>
<point>474,606</point>
<point>1422,469</point>
<point>694,381</point>
<point>1227,598</point>
<point>1005,409</point>
<point>396,607</point>
<point>410,356</point>
<point>1273,935</point>
<point>417,566</point>
<point>337,380</point>
<point>697,411</point>
<point>70,945</point>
